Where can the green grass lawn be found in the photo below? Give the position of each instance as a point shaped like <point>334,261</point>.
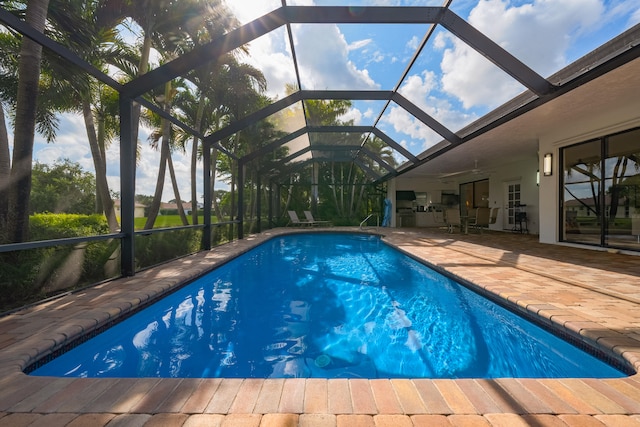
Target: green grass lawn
<point>163,221</point>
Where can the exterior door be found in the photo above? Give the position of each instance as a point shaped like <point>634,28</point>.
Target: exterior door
<point>512,200</point>
<point>582,193</point>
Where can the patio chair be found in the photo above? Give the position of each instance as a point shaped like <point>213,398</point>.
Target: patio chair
<point>494,215</point>
<point>452,219</point>
<point>481,220</point>
<point>295,221</point>
<point>635,225</point>
<point>313,221</point>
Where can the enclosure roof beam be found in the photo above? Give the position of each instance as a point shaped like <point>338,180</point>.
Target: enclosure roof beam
<point>367,170</point>
<point>27,30</point>
<point>496,54</point>
<point>361,14</point>
<point>247,121</point>
<point>309,148</point>
<point>378,159</point>
<point>283,103</point>
<point>292,156</point>
<point>271,21</point>
<point>207,52</point>
<point>393,144</point>
<point>274,145</point>
<point>425,118</point>
<point>339,129</point>
<point>372,95</point>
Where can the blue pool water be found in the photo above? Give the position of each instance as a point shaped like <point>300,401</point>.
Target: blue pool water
<point>328,306</point>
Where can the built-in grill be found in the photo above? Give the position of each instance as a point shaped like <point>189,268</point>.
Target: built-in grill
<point>405,209</point>
<point>406,217</point>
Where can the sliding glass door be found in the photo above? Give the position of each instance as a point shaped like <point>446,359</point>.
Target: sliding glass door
<point>622,184</point>
<point>582,204</point>
<point>601,191</point>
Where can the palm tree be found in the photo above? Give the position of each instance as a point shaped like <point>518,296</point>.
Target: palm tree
<point>245,84</point>
<point>85,26</point>
<point>100,45</point>
<point>164,135</point>
<point>146,13</point>
<point>171,28</point>
<point>19,187</point>
<point>5,169</point>
<point>98,137</point>
<point>254,137</point>
<point>218,20</point>
<point>105,110</point>
<point>97,101</point>
<point>202,109</point>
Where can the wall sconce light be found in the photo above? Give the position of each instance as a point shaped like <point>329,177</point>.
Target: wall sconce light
<point>546,164</point>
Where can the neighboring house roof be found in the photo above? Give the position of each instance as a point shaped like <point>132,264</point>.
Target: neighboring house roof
<point>185,205</point>
<point>118,203</point>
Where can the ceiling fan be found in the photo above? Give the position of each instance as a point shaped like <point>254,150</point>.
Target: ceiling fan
<point>475,170</point>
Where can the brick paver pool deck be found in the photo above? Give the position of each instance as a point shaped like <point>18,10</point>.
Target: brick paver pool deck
<point>593,296</point>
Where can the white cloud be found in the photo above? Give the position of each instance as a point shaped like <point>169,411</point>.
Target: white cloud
<point>353,114</point>
<point>277,66</point>
<point>67,144</point>
<point>404,123</point>
<point>635,17</point>
<point>413,43</point>
<point>269,53</point>
<point>538,34</point>
<point>418,88</point>
<point>625,9</point>
<point>322,53</point>
<point>359,44</point>
<point>369,113</point>
<point>422,91</point>
<point>247,11</point>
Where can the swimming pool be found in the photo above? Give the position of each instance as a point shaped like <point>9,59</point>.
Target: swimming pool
<point>325,305</point>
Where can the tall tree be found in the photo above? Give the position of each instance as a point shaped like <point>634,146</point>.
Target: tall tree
<point>83,26</point>
<point>245,85</point>
<point>5,171</point>
<point>19,191</point>
<point>51,98</point>
<point>165,138</point>
<point>63,187</point>
<point>216,21</point>
<point>88,27</point>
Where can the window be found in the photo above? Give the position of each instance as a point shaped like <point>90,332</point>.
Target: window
<point>474,195</point>
<point>601,191</point>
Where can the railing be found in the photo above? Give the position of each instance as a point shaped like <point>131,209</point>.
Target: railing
<point>367,219</point>
<point>60,265</point>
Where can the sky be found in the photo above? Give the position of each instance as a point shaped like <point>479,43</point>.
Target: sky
<point>449,80</point>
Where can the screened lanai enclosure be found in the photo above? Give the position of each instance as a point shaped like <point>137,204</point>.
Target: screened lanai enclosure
<point>135,132</point>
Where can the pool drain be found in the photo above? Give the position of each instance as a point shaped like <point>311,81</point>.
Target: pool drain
<point>322,361</point>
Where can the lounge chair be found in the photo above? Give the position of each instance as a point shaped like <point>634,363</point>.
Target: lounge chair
<point>295,221</point>
<point>313,221</point>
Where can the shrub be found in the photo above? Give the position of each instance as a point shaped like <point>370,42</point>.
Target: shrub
<point>29,275</point>
<point>57,226</point>
<point>156,248</point>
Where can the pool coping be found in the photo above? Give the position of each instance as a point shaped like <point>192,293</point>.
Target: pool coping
<point>30,334</point>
